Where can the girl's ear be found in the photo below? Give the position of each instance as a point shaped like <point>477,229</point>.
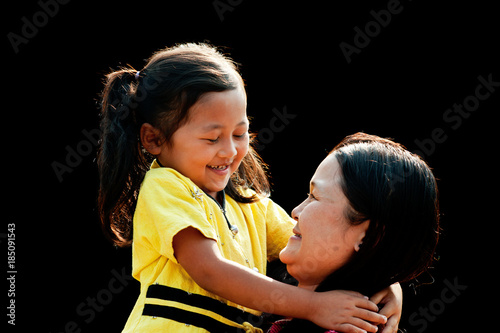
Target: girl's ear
<point>151,139</point>
<point>361,235</point>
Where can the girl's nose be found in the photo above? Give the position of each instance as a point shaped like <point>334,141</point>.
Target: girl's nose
<point>228,150</point>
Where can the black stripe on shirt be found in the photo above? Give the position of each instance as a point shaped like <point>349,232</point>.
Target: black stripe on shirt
<point>188,318</point>
<point>199,301</point>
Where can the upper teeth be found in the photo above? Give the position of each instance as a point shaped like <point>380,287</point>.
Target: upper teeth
<point>218,167</point>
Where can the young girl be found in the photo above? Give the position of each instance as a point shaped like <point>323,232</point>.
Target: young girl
<point>175,158</point>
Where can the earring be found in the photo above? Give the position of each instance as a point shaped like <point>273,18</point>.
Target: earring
<point>359,247</point>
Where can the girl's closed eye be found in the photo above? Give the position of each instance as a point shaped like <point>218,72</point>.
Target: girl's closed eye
<point>213,140</point>
<point>241,136</point>
<point>238,136</point>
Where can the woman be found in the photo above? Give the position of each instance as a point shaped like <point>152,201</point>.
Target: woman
<point>371,219</point>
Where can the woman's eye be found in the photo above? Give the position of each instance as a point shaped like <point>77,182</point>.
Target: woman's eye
<point>311,196</point>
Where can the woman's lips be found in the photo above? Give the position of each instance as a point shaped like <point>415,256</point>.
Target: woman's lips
<point>296,235</point>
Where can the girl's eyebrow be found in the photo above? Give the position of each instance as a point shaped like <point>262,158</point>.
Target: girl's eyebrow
<point>211,127</point>
<point>214,126</point>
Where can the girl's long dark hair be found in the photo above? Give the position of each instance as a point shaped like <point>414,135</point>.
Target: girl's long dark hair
<point>160,94</point>
<point>397,192</point>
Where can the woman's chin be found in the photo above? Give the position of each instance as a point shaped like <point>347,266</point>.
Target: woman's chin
<point>289,254</point>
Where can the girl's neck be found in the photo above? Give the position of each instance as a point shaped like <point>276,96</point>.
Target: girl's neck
<point>219,197</point>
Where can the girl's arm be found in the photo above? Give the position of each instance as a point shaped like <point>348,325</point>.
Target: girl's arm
<point>344,311</point>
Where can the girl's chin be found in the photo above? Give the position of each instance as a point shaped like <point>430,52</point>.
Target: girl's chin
<point>213,190</point>
<point>217,184</point>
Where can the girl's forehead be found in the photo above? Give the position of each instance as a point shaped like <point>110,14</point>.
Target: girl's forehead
<point>218,109</point>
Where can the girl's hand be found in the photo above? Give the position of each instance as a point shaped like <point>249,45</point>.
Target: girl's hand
<point>346,311</point>
<point>392,300</point>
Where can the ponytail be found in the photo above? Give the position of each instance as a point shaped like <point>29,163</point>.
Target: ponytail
<point>121,162</point>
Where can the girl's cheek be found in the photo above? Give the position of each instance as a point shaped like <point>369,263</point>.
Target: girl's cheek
<point>243,149</point>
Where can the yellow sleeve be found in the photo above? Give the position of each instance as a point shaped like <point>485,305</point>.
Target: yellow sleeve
<point>279,228</point>
<point>166,205</point>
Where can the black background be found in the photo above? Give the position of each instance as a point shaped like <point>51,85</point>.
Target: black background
<point>426,59</point>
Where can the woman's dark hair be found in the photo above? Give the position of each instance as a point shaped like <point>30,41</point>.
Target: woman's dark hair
<point>397,192</point>
<point>161,94</point>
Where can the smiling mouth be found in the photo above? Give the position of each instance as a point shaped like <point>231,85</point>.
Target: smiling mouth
<point>296,234</point>
<point>219,167</point>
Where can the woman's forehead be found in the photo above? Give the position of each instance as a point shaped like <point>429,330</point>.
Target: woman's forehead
<point>327,177</point>
<point>327,172</point>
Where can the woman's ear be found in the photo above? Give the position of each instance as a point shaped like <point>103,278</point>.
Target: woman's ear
<point>363,227</point>
<point>151,139</point>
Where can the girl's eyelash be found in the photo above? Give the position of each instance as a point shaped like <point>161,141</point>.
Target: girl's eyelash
<point>236,136</point>
<point>241,136</point>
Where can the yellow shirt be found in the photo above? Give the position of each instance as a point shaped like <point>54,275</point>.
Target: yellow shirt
<point>170,301</point>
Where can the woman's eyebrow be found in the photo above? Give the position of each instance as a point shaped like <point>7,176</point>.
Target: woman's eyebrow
<point>316,187</point>
<point>312,185</point>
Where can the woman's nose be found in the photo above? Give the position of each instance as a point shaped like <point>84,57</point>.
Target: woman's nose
<point>296,212</point>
